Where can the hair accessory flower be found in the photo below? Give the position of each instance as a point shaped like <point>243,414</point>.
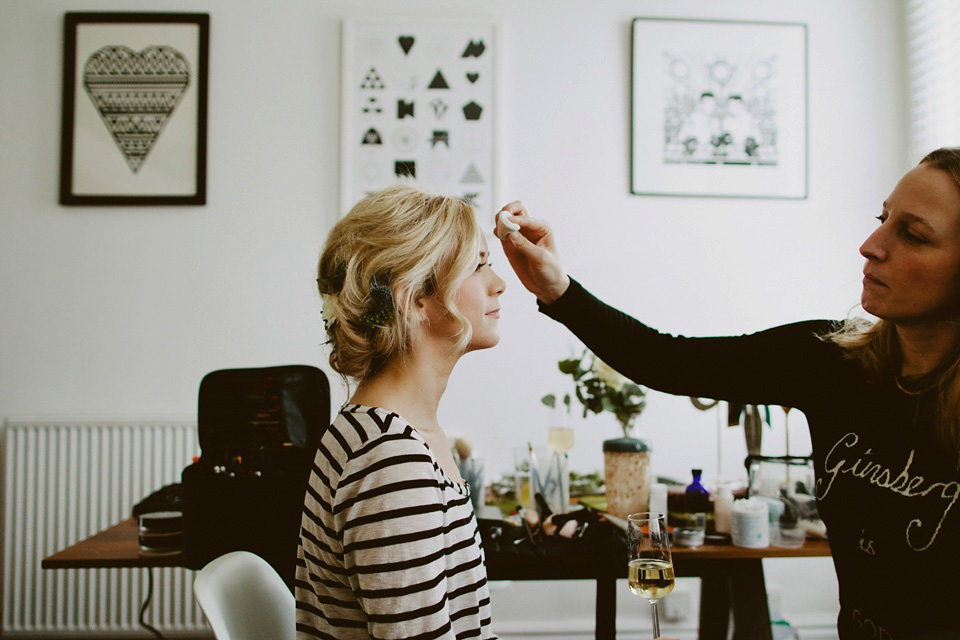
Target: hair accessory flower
<point>329,287</point>
<point>379,310</point>
<point>328,311</point>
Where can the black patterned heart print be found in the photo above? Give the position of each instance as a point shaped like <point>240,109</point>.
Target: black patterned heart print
<point>135,93</point>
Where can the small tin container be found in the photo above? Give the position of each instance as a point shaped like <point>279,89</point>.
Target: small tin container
<point>161,533</point>
<point>691,537</point>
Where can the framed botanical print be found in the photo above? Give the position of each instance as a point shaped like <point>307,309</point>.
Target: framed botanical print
<point>719,108</point>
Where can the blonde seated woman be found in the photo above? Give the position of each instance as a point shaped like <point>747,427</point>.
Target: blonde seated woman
<point>389,545</point>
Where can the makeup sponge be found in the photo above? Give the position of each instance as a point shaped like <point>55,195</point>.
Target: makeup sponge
<point>505,226</point>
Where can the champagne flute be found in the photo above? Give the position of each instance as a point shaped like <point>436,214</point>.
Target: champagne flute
<point>649,568</point>
<point>560,439</point>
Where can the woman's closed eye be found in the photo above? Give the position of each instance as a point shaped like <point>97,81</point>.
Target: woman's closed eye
<point>486,263</point>
<point>909,236</point>
<point>904,231</point>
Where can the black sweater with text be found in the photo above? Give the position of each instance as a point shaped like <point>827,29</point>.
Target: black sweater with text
<point>886,489</point>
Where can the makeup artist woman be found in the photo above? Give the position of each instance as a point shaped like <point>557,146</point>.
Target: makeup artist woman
<point>882,400</point>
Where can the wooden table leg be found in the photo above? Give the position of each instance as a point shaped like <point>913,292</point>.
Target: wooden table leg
<point>606,626</point>
<point>714,607</point>
<point>748,593</point>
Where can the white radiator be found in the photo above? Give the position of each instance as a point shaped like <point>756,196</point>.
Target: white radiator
<point>65,481</point>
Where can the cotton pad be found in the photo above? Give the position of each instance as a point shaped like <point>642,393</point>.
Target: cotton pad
<point>504,226</point>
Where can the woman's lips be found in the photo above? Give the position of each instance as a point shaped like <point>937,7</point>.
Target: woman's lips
<point>869,279</point>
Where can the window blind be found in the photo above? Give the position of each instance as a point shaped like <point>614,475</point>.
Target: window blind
<point>933,75</point>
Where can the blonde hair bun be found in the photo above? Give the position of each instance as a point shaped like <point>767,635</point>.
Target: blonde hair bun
<point>393,247</point>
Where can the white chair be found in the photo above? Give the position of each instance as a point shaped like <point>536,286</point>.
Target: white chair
<point>243,598</point>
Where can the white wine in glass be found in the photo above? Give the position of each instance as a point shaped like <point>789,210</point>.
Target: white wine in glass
<point>650,567</point>
<point>560,439</point>
<point>650,579</point>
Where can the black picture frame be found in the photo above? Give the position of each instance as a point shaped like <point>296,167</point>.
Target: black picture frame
<point>134,120</point>
<point>719,108</point>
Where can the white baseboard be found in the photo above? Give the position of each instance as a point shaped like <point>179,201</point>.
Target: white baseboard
<point>686,633</point>
<point>809,629</point>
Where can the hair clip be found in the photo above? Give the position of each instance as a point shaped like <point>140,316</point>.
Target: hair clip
<point>333,283</point>
<point>379,310</point>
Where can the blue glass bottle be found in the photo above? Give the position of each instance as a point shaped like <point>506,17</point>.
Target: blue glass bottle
<point>698,500</point>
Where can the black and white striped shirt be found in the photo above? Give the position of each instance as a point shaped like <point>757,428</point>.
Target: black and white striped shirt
<point>389,545</point>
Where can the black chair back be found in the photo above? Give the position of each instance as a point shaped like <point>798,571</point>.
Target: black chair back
<point>258,431</point>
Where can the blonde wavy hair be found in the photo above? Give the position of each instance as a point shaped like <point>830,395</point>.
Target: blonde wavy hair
<point>394,247</point>
<point>876,347</point>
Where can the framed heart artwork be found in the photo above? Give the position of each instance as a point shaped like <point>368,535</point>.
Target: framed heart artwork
<point>134,128</point>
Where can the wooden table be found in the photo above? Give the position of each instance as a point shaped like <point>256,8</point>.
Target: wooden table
<point>732,580</point>
<point>115,548</point>
<point>732,577</point>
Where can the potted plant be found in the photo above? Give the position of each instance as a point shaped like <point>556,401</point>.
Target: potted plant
<point>626,460</point>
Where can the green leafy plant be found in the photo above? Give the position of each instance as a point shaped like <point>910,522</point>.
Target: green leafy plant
<point>551,401</point>
<point>601,388</point>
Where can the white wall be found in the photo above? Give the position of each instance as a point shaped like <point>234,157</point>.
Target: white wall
<point>121,311</point>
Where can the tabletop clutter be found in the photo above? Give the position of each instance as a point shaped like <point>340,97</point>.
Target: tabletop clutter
<point>776,507</point>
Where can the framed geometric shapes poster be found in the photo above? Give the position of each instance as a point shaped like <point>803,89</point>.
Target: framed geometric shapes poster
<point>719,108</point>
<point>418,102</point>
<point>134,127</point>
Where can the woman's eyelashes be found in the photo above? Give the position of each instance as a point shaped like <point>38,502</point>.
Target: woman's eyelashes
<point>484,264</point>
<point>904,231</point>
<point>912,237</point>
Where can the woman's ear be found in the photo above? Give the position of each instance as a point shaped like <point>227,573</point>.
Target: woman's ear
<point>408,305</point>
<point>428,309</point>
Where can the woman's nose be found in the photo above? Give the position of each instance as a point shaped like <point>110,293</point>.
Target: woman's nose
<point>499,284</point>
<point>873,247</point>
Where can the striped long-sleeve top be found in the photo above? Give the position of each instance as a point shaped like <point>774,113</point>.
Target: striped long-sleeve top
<point>389,545</point>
